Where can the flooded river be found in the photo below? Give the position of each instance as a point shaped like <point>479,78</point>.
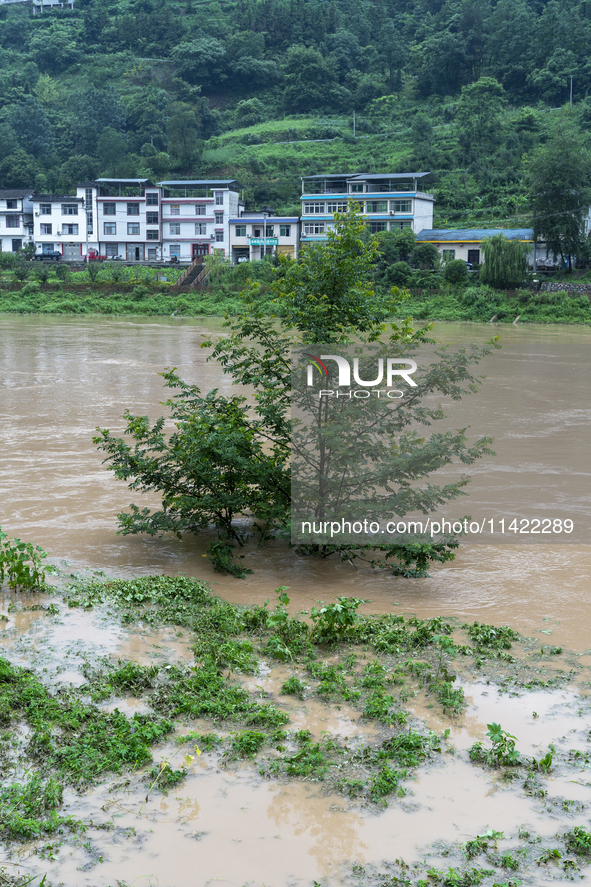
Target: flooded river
<point>60,378</point>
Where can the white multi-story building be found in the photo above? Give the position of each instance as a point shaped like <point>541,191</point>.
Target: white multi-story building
<point>390,201</point>
<point>16,218</point>
<point>128,219</point>
<point>59,224</point>
<point>255,234</point>
<point>195,216</point>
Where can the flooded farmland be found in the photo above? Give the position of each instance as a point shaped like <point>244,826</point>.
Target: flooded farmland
<point>260,817</point>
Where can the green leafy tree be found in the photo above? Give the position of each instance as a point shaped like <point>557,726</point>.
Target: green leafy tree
<point>478,114</point>
<point>183,131</point>
<point>560,193</point>
<point>309,78</point>
<point>55,48</point>
<point>112,148</point>
<point>505,262</point>
<point>226,459</point>
<point>201,61</point>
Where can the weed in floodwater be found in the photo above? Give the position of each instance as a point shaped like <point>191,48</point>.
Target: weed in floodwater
<point>29,810</point>
<point>502,751</point>
<point>578,841</point>
<point>22,564</point>
<point>164,777</point>
<point>312,760</point>
<point>487,638</point>
<point>247,743</point>
<point>74,739</point>
<point>203,741</point>
<point>129,677</point>
<point>481,843</point>
<point>386,782</point>
<point>293,687</point>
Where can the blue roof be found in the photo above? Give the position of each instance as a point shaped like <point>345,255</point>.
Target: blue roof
<point>472,234</point>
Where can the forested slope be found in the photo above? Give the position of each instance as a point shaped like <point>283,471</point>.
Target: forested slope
<point>139,87</point>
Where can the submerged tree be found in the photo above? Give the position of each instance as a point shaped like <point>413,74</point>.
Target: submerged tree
<point>227,463</point>
<point>505,262</point>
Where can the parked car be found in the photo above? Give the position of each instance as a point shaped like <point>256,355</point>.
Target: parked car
<point>53,255</point>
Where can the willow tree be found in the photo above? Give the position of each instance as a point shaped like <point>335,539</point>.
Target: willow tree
<point>505,262</point>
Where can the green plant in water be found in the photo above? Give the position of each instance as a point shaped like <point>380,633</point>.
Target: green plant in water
<point>502,752</point>
<point>332,622</point>
<point>578,841</point>
<point>22,563</point>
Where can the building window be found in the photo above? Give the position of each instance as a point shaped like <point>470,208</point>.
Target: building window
<point>151,254</point>
<point>175,249</point>
<point>256,232</point>
<point>109,227</point>
<point>398,226</point>
<point>357,189</point>
<point>69,209</point>
<point>13,221</point>
<point>313,227</point>
<point>240,230</point>
<point>219,218</point>
<point>401,206</point>
<point>448,255</point>
<point>45,209</point>
<point>377,206</point>
<point>45,229</point>
<point>219,198</point>
<point>152,198</point>
<point>11,204</point>
<point>285,230</point>
<point>269,230</point>
<point>70,229</point>
<point>336,207</point>
<point>151,218</point>
<point>47,248</point>
<point>133,209</point>
<point>175,228</point>
<point>151,235</point>
<point>219,236</point>
<point>311,209</point>
<point>376,227</point>
<point>133,227</point>
<point>109,209</point>
<point>200,228</point>
<point>200,209</point>
<point>111,249</point>
<point>175,209</point>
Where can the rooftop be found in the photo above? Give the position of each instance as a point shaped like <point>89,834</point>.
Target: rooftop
<point>12,193</point>
<point>126,182</point>
<point>184,183</point>
<point>456,235</point>
<point>56,198</point>
<point>371,176</point>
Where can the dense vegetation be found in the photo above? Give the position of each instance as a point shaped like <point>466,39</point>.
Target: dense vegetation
<point>133,87</point>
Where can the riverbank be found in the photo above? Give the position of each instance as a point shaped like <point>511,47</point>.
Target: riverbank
<point>151,728</point>
<point>474,304</point>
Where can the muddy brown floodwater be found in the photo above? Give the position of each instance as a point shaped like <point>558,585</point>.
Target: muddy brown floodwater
<point>59,379</point>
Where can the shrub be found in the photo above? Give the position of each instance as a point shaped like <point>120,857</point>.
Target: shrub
<point>456,272</point>
<point>399,274</point>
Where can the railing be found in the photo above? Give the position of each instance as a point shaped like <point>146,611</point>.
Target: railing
<point>197,261</point>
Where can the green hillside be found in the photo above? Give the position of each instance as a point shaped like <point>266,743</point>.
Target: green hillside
<point>265,91</point>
